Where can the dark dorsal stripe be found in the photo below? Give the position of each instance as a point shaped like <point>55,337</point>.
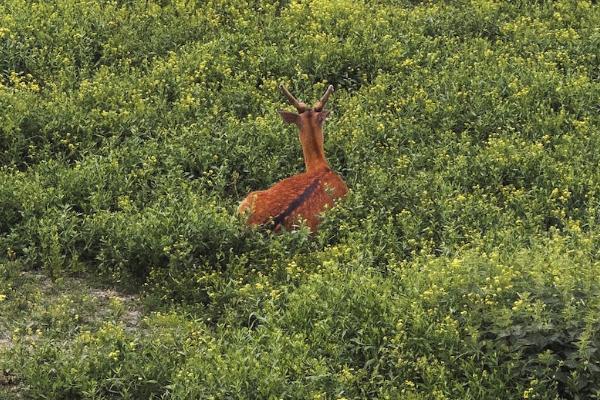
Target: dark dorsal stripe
<point>280,218</point>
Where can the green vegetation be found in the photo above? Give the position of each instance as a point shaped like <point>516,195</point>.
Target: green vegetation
<point>464,264</point>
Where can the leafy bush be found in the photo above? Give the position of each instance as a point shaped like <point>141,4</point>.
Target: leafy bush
<point>463,263</point>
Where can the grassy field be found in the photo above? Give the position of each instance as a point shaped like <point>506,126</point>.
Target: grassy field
<point>464,263</point>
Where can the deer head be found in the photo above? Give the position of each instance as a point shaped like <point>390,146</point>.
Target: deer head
<point>310,122</point>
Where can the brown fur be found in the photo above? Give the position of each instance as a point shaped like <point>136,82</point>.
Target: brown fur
<point>265,205</point>
<point>303,196</point>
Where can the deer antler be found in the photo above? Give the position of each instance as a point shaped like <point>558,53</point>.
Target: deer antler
<point>321,103</point>
<point>300,106</point>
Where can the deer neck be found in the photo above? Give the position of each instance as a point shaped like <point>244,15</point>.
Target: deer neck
<point>311,138</point>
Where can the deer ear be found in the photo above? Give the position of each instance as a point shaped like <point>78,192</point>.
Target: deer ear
<point>322,116</point>
<point>289,117</point>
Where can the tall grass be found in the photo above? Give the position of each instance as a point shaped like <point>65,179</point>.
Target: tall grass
<point>463,264</point>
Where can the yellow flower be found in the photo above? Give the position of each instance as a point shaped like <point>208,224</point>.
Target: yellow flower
<point>527,394</point>
<point>114,355</point>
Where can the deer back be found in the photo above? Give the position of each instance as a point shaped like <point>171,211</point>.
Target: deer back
<point>300,197</point>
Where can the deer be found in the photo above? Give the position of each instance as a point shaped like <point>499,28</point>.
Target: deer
<point>302,197</point>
